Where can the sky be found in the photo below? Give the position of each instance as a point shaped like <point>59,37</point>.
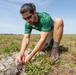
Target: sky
<point>11,21</point>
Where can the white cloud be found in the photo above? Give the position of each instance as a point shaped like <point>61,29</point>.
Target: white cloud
<point>36,2</point>
<point>16,6</point>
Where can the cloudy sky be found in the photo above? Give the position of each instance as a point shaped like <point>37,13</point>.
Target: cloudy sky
<point>11,21</point>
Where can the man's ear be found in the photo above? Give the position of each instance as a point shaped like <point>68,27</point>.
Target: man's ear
<point>34,12</point>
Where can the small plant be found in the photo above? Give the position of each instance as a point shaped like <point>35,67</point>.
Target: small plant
<point>74,55</point>
<point>70,64</point>
<point>39,66</point>
<point>9,49</point>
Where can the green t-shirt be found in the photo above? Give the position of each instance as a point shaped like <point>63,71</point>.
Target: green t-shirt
<point>44,24</point>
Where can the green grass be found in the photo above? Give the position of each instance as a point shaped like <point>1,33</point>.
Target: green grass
<point>42,63</point>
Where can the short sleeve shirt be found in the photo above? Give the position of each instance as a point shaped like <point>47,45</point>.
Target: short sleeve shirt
<point>44,24</point>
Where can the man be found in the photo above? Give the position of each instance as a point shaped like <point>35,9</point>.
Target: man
<point>44,23</point>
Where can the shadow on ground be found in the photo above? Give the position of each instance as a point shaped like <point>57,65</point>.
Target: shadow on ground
<point>62,49</point>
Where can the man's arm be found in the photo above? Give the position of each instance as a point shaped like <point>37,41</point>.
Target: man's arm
<point>20,58</point>
<point>38,46</point>
<point>40,43</point>
<point>25,43</point>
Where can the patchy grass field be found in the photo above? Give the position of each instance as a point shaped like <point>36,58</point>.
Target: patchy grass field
<point>42,65</point>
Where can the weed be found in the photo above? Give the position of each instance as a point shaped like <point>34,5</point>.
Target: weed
<point>39,66</point>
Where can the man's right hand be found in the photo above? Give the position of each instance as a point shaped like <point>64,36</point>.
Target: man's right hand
<point>20,59</point>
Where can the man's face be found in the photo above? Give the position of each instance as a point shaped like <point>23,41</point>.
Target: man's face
<point>30,18</point>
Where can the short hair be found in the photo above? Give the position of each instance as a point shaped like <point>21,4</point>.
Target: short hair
<point>28,7</point>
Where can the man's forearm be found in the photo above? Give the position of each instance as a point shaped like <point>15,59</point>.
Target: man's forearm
<point>37,47</point>
<point>24,45</point>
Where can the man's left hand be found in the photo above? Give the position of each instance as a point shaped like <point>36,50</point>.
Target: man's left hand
<point>27,58</point>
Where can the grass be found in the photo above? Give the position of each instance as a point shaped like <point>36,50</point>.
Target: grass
<point>39,65</point>
<point>65,65</point>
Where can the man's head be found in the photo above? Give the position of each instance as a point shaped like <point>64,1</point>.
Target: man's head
<point>28,12</point>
